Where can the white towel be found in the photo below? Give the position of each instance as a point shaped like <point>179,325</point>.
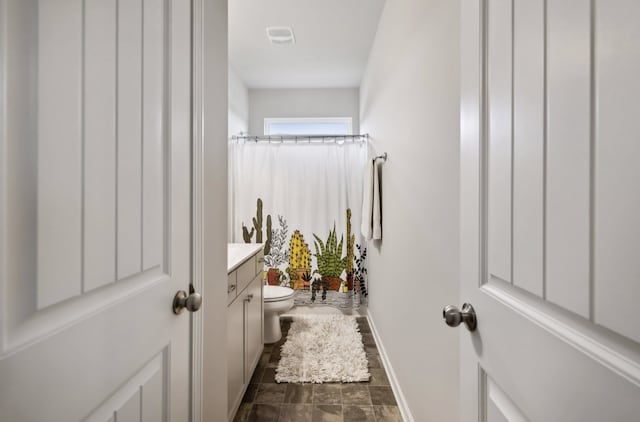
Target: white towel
<point>371,226</point>
<point>367,191</point>
<point>376,220</point>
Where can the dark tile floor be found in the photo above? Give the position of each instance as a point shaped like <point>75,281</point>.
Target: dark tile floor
<point>268,401</point>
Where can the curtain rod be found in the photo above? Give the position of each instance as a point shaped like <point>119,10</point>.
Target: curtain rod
<point>382,157</point>
<point>301,138</point>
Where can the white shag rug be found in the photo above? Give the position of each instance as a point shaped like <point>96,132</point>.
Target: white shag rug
<point>323,348</point>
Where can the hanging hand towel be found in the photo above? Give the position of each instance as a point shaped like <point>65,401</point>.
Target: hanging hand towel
<point>367,197</point>
<point>371,226</point>
<point>376,218</point>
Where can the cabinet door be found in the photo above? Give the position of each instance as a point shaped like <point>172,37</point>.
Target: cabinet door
<point>253,325</point>
<point>235,353</point>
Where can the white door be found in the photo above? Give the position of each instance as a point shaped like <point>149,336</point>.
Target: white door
<point>550,210</point>
<point>94,209</point>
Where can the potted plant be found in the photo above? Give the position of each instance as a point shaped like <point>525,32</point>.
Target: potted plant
<point>315,287</point>
<point>272,276</point>
<point>306,278</point>
<point>276,277</point>
<point>257,229</point>
<point>299,259</point>
<point>360,271</point>
<point>284,279</point>
<point>278,254</point>
<point>331,264</point>
<point>351,239</point>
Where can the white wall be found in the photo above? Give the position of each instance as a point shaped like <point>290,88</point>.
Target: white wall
<point>238,104</point>
<point>410,107</point>
<point>214,210</point>
<point>321,102</point>
<point>238,122</point>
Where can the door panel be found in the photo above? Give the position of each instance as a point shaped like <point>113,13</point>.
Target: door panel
<point>570,350</point>
<point>500,408</point>
<point>553,366</point>
<point>130,411</point>
<point>99,155</point>
<point>568,155</point>
<point>59,145</point>
<point>499,104</point>
<point>78,175</point>
<point>94,203</point>
<point>617,148</point>
<point>21,64</point>
<point>142,396</point>
<point>129,141</point>
<point>154,125</point>
<point>528,145</point>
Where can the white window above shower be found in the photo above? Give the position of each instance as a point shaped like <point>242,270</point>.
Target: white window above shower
<point>308,126</point>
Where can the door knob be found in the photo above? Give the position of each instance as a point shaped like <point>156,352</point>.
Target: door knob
<point>454,316</point>
<point>182,301</point>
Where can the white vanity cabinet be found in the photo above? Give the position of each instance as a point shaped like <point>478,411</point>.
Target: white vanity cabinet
<point>244,319</point>
<point>235,352</point>
<point>253,328</point>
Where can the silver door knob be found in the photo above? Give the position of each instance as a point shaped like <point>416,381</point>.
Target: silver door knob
<point>454,316</point>
<point>182,301</point>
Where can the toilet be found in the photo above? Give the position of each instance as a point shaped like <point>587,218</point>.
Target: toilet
<point>277,299</point>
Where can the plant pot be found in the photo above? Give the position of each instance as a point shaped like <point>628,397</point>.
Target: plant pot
<point>302,271</point>
<point>334,283</point>
<point>272,277</point>
<point>298,284</point>
<point>350,281</point>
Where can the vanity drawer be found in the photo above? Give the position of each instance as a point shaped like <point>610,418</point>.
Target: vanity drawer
<point>260,262</point>
<point>232,286</point>
<point>246,273</point>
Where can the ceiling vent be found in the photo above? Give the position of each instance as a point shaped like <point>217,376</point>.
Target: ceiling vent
<point>280,35</point>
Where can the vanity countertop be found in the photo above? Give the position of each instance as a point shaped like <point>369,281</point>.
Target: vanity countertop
<point>237,253</point>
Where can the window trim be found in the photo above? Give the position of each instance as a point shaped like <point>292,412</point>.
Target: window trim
<point>309,120</point>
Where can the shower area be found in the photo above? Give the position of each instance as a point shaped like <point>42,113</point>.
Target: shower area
<point>301,195</point>
<point>297,157</point>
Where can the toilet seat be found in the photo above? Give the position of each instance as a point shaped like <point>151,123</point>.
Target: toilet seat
<point>277,293</point>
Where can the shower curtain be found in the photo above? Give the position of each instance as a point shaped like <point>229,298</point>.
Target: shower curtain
<point>304,189</point>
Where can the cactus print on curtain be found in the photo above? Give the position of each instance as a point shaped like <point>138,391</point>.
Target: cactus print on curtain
<point>301,201</point>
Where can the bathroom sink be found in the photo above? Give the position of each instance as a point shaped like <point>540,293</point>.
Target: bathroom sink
<point>237,253</point>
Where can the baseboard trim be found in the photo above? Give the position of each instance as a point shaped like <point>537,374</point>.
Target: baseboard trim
<point>395,386</point>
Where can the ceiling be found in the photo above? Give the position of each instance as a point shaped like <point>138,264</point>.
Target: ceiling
<point>333,39</point>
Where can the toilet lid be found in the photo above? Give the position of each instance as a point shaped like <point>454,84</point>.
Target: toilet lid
<point>272,293</point>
